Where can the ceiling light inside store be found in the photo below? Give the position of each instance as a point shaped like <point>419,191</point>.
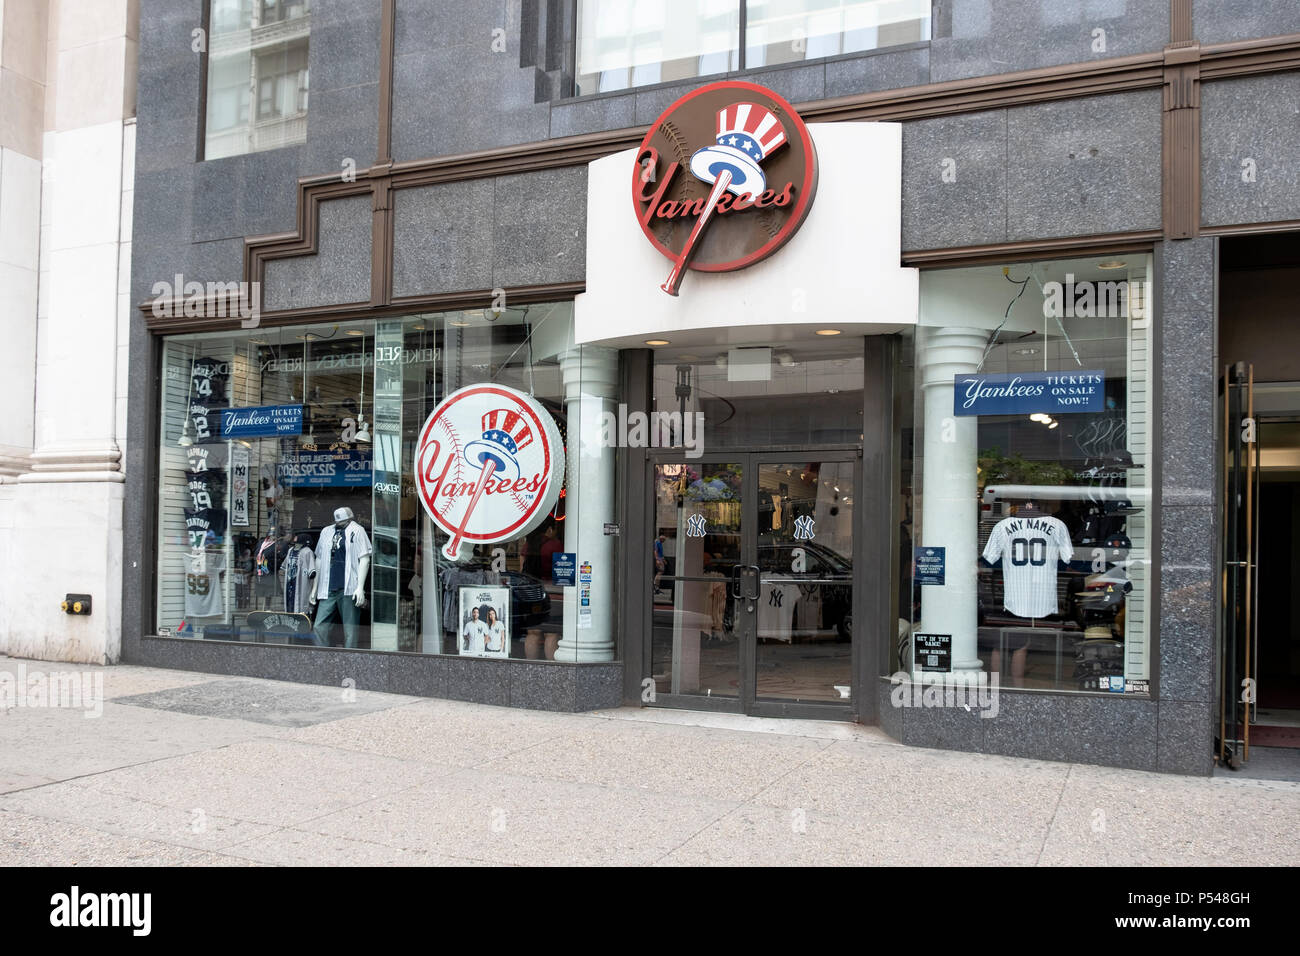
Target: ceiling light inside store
<point>1039,417</point>
<point>1112,264</point>
<point>828,331</point>
<point>657,342</point>
<point>1053,425</point>
<point>458,323</point>
<point>354,331</point>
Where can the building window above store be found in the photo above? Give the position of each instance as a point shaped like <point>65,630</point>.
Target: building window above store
<point>257,76</point>
<point>628,43</point>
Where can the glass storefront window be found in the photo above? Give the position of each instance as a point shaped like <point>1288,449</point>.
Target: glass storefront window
<point>257,76</point>
<point>273,514</point>
<point>1025,543</point>
<point>628,43</point>
<point>786,31</point>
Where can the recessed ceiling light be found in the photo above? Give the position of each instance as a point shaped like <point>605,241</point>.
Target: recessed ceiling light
<point>828,331</point>
<point>354,331</point>
<point>657,342</point>
<point>418,328</point>
<point>458,323</point>
<point>1053,425</point>
<point>1027,351</point>
<point>1039,417</point>
<point>1112,264</point>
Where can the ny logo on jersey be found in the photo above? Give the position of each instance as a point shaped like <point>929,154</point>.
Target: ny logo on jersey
<point>803,528</point>
<point>775,597</point>
<point>695,526</point>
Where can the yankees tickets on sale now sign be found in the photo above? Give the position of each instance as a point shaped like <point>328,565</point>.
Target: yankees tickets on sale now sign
<point>488,466</point>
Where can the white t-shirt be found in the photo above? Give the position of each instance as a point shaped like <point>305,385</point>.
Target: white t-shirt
<point>496,638</point>
<point>1030,547</point>
<point>472,637</point>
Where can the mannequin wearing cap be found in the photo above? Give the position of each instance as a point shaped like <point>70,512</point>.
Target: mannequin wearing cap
<point>342,565</point>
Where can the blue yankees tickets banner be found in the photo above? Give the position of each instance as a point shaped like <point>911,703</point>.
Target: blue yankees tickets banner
<point>261,421</point>
<point>930,565</point>
<point>1056,393</point>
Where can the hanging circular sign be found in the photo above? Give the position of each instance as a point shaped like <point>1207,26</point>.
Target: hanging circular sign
<point>488,466</point>
<point>724,178</point>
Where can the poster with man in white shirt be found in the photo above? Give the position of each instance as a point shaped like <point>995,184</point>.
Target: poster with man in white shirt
<point>484,615</point>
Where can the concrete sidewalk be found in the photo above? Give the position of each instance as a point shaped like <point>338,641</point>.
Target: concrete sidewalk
<point>198,769</point>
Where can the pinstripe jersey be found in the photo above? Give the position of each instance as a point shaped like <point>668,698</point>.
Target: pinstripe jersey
<point>1031,547</point>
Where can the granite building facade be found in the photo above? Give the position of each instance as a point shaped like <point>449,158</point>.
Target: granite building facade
<point>436,199</point>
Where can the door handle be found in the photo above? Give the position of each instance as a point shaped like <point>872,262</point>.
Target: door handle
<point>735,581</point>
<point>752,572</point>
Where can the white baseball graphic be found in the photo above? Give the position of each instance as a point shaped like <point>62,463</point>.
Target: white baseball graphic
<point>488,466</point>
<point>1030,548</point>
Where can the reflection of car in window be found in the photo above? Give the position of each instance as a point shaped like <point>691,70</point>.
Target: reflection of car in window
<point>828,571</point>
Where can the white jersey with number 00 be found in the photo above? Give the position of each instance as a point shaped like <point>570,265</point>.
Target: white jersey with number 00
<point>1029,548</point>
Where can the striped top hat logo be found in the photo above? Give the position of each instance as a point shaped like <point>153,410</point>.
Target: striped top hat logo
<point>489,464</point>
<point>723,179</point>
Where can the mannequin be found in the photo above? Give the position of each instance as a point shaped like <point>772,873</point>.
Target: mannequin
<point>298,571</point>
<point>342,564</point>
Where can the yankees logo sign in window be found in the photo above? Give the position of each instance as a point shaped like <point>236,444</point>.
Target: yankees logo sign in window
<point>723,179</point>
<point>488,466</point>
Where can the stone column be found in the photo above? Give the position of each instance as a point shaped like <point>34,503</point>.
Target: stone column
<point>69,500</point>
<point>590,385</point>
<point>949,506</point>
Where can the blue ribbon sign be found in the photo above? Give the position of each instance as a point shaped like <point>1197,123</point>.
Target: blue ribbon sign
<point>1051,393</point>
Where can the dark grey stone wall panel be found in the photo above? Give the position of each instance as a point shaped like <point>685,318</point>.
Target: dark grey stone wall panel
<point>798,84</point>
<point>539,232</point>
<point>1113,732</point>
<point>881,70</point>
<point>1023,726</point>
<point>1187,627</point>
<point>891,717</point>
<point>167,85</point>
<point>248,195</point>
<point>972,209</point>
<point>983,37</point>
<point>539,686</point>
<point>443,238</point>
<point>1186,735</point>
<point>343,112</point>
<point>451,92</point>
<point>1188,470</point>
<point>1253,118</point>
<point>592,115</point>
<point>1187,278</point>
<point>1219,21</point>
<point>944,728</point>
<point>1084,166</point>
<point>339,273</point>
<point>343,124</point>
<point>598,686</point>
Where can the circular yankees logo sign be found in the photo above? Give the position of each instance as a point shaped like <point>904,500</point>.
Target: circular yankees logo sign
<point>723,179</point>
<point>488,466</point>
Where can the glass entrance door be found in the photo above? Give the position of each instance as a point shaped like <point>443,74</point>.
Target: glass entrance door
<point>751,590</point>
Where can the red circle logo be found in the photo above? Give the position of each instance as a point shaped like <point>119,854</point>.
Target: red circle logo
<point>724,178</point>
<point>488,466</point>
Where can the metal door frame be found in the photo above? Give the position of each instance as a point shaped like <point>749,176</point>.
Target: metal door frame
<point>747,701</point>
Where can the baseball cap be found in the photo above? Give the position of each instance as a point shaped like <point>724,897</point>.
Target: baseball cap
<point>1122,507</point>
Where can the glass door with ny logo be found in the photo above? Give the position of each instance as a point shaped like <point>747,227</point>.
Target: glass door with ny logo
<point>752,583</point>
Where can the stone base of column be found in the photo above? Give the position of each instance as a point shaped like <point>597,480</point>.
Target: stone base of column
<point>75,461</point>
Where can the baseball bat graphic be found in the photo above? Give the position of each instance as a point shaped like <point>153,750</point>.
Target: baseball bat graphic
<point>674,281</point>
<point>453,545</point>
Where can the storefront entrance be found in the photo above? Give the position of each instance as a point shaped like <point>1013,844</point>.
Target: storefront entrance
<point>752,597</point>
